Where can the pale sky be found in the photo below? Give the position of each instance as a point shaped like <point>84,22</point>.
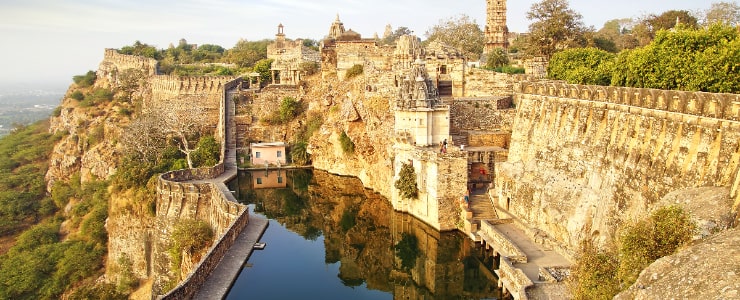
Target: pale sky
<point>52,40</point>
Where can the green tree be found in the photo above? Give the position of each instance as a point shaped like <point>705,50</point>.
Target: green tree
<point>589,66</point>
<point>406,182</point>
<point>684,59</point>
<point>207,152</point>
<point>247,54</point>
<point>556,27</point>
<point>648,26</point>
<point>141,49</point>
<point>497,58</point>
<point>460,32</point>
<point>263,68</point>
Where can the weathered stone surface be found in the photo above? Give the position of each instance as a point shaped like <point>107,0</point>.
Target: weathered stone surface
<point>705,270</point>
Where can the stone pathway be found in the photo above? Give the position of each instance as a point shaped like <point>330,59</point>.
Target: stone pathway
<point>219,283</point>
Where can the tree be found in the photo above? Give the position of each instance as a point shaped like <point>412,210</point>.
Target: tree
<point>246,53</point>
<point>263,68</point>
<point>406,182</point>
<point>722,12</point>
<point>685,59</point>
<point>141,49</point>
<point>391,38</point>
<point>648,26</point>
<point>299,154</point>
<point>582,66</point>
<point>460,32</point>
<point>497,58</point>
<point>556,27</point>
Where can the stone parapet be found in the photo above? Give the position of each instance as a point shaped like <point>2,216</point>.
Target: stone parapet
<point>513,279</point>
<point>501,243</point>
<point>710,105</point>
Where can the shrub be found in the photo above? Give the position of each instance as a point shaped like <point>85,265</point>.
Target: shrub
<point>406,182</point>
<point>407,250</point>
<point>594,276</point>
<point>57,112</point>
<point>299,155</point>
<point>86,80</point>
<point>353,71</point>
<point>348,147</point>
<point>640,244</point>
<point>77,95</point>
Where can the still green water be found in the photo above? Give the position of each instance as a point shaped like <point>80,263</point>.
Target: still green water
<point>330,238</point>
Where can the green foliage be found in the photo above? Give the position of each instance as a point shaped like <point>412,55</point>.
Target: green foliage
<point>461,32</point>
<point>247,54</point>
<point>705,60</point>
<point>301,179</point>
<point>86,80</point>
<point>497,58</point>
<point>313,124</point>
<point>96,135</point>
<point>640,244</point>
<point>97,96</point>
<point>349,219</point>
<point>348,147</point>
<point>406,182</point>
<point>589,66</point>
<point>393,36</point>
<point>288,110</point>
<point>77,95</point>
<point>510,70</point>
<point>141,49</point>
<point>354,71</point>
<point>407,250</point>
<point>299,155</point>
<point>207,153</point>
<point>191,235</point>
<point>555,26</point>
<point>263,68</point>
<point>38,235</point>
<point>594,276</point>
<point>24,162</point>
<point>102,291</point>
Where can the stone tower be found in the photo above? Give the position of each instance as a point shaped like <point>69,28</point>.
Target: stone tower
<point>497,33</point>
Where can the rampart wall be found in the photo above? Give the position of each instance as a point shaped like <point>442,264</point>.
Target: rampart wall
<point>584,159</point>
<point>114,61</point>
<point>365,53</point>
<point>208,202</point>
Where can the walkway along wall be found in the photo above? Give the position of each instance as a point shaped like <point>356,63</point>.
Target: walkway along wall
<point>584,159</point>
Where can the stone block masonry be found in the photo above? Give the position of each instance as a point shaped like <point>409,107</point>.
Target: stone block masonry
<point>583,158</point>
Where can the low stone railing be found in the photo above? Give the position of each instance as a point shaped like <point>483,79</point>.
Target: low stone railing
<point>501,243</point>
<point>513,279</point>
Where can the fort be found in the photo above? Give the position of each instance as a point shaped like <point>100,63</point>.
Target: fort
<point>560,163</point>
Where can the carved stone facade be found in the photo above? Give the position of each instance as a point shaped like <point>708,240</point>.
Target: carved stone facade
<point>496,32</point>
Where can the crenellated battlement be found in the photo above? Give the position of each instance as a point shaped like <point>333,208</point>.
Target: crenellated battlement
<point>120,61</point>
<point>710,105</point>
<point>170,84</point>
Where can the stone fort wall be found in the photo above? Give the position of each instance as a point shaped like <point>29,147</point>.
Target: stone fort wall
<point>584,159</point>
<point>114,61</point>
<point>200,201</point>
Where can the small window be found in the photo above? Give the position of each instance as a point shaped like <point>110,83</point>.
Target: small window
<point>280,179</point>
<point>259,180</point>
<point>280,153</point>
<point>256,155</point>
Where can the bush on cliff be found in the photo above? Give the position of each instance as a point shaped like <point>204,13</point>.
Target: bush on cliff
<point>348,147</point>
<point>299,155</point>
<point>601,274</point>
<point>406,182</point>
<point>190,236</point>
<point>642,243</point>
<point>207,152</point>
<point>86,80</point>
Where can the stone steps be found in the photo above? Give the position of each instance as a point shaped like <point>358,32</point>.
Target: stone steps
<point>482,208</point>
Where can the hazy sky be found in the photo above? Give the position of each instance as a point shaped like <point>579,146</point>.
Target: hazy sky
<point>52,40</point>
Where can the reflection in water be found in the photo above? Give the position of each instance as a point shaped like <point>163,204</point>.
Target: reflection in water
<point>369,251</point>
